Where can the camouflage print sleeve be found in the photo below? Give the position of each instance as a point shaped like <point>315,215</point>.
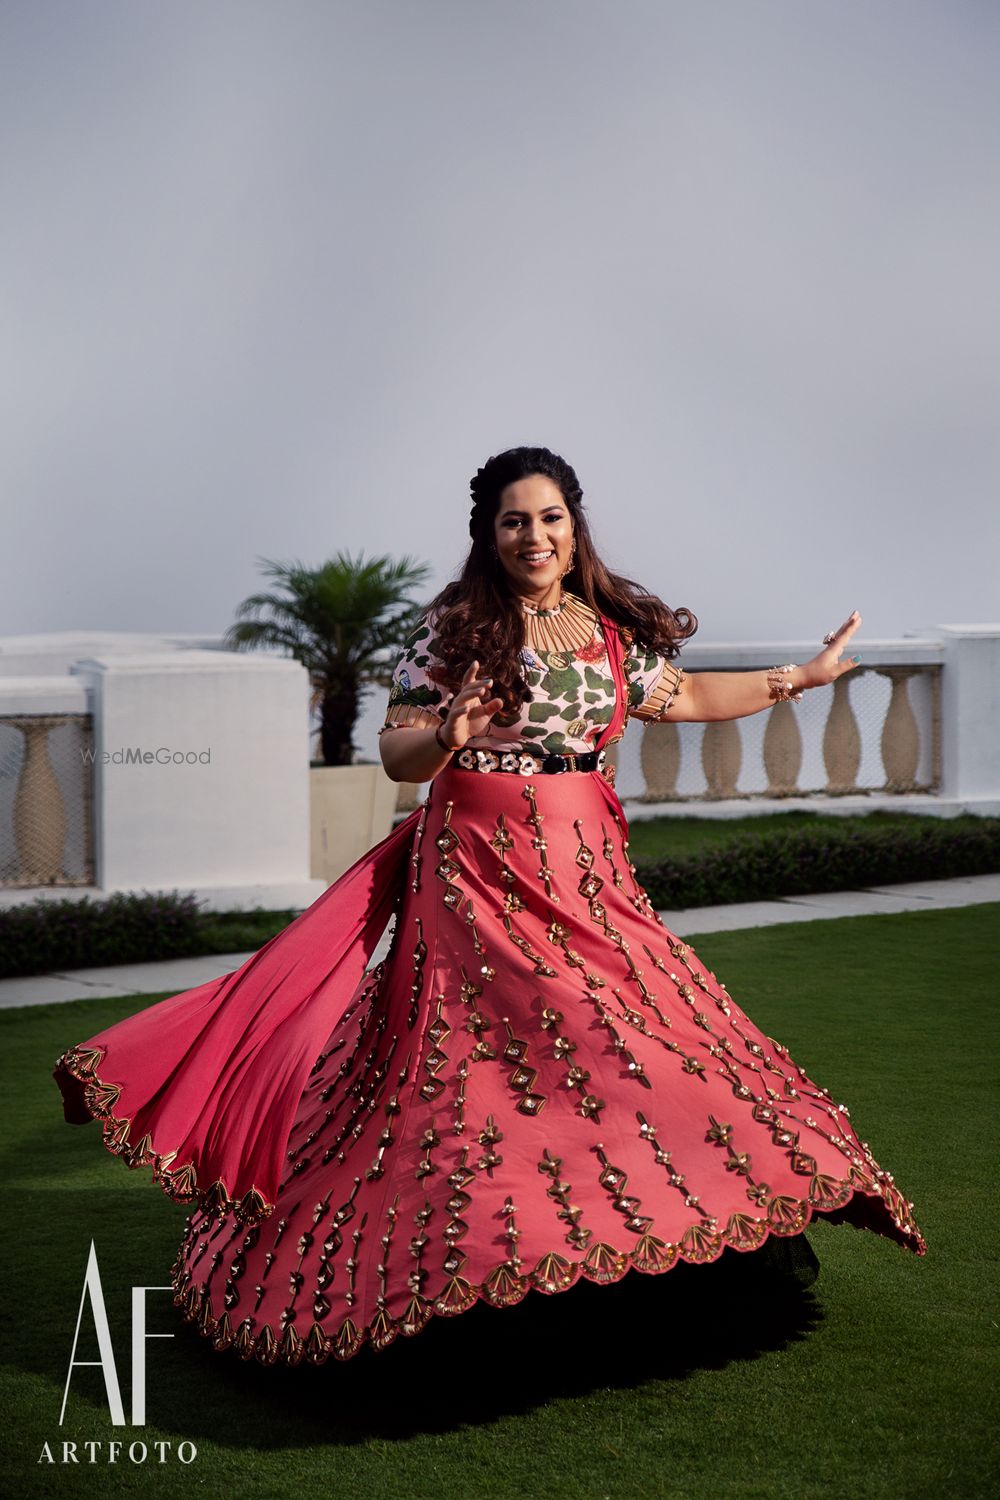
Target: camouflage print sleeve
<point>414,698</point>
<point>653,682</point>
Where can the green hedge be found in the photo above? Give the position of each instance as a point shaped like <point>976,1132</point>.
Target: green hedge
<point>50,936</point>
<point>808,861</point>
<point>121,929</point>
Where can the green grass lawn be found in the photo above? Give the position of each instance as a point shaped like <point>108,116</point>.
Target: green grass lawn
<point>703,1382</point>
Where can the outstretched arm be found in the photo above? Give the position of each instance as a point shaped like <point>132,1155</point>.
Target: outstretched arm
<point>709,696</point>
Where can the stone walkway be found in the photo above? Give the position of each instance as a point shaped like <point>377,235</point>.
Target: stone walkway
<point>176,974</point>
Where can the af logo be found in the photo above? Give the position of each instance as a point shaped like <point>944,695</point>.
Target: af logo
<point>137,1451</point>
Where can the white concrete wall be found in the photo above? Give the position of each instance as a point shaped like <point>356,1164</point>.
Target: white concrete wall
<point>235,810</point>
<point>54,652</point>
<point>970,713</point>
<point>230,819</point>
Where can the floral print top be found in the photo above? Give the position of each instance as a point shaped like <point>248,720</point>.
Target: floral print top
<point>573,693</point>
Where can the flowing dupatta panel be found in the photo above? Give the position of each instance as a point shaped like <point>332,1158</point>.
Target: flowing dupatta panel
<point>204,1086</point>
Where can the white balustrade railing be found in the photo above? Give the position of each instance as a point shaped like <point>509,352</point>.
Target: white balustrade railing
<point>876,730</point>
<point>920,715</point>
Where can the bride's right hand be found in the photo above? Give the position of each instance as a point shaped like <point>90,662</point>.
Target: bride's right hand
<point>470,713</point>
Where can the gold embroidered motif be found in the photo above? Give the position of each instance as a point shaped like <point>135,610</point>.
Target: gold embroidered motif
<point>538,842</point>
<point>523,1077</point>
<point>417,856</point>
<point>435,1059</point>
<point>615,1180</point>
<point>559,1190</point>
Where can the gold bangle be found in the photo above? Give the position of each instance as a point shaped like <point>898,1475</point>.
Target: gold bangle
<point>780,690</point>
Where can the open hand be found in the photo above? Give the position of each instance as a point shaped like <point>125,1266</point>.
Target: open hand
<point>827,666</point>
<point>470,710</point>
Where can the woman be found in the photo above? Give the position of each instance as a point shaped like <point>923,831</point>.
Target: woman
<point>540,1081</point>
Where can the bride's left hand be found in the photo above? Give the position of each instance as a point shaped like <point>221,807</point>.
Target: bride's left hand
<point>826,666</point>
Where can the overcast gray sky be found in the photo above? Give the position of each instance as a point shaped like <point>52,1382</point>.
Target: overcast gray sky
<point>278,277</point>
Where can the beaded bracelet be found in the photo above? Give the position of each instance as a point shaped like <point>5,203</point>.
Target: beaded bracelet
<point>451,749</point>
<point>780,690</point>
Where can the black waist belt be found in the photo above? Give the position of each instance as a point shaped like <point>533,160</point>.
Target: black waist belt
<point>526,762</point>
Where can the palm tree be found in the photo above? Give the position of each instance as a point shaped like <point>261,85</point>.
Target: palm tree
<point>345,621</point>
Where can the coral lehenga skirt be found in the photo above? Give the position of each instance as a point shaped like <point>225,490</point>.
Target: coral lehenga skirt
<point>540,1082</point>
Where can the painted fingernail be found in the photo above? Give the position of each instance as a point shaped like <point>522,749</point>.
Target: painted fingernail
<point>855,658</point>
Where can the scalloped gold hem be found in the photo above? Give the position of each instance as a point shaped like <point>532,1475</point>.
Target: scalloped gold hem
<point>505,1287</point>
<point>180,1183</point>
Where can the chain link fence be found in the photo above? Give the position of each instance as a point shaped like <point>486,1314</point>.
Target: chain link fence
<point>46,800</point>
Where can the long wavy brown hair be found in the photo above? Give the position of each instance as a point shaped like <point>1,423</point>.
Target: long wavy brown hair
<point>478,615</point>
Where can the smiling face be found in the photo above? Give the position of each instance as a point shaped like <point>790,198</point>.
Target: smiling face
<point>533,517</point>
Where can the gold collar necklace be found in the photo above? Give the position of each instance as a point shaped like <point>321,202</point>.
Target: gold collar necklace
<point>566,627</point>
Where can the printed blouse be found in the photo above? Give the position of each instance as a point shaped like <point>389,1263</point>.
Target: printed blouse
<point>572,690</point>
